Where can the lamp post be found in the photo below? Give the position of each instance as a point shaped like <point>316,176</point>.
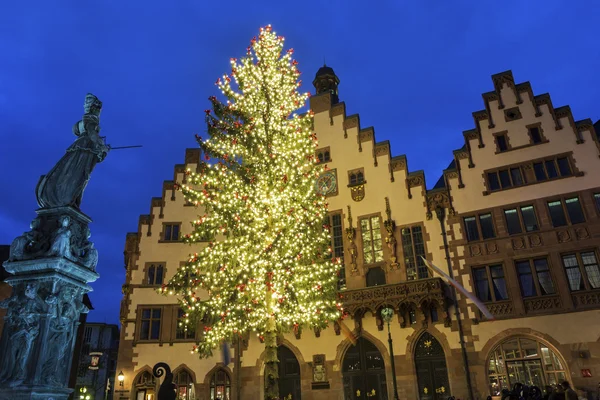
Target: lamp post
<point>121,378</point>
<point>387,314</point>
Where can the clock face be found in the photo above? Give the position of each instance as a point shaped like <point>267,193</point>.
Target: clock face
<point>327,183</point>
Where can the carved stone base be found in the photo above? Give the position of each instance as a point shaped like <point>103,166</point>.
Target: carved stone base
<point>35,393</point>
<point>40,328</point>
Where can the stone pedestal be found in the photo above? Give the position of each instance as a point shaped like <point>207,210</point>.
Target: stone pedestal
<point>51,265</point>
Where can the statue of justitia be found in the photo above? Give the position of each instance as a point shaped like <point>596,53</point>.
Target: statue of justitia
<point>66,181</point>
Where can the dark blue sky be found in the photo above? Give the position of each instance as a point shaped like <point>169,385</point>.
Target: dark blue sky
<point>415,69</point>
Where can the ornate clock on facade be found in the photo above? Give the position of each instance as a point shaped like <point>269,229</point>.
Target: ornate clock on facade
<point>327,183</point>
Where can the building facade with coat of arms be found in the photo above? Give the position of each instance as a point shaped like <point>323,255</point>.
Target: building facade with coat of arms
<point>514,218</point>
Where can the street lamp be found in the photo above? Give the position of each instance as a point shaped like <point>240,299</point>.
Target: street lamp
<point>387,315</point>
<point>121,378</point>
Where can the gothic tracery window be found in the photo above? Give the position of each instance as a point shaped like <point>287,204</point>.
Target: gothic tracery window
<point>220,385</point>
<point>185,386</point>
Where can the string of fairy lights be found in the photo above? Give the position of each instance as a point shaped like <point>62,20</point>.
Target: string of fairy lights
<point>268,256</point>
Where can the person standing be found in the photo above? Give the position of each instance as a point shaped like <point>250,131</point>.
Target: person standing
<point>569,393</point>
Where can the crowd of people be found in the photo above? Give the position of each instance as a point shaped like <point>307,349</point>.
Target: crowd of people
<point>523,392</point>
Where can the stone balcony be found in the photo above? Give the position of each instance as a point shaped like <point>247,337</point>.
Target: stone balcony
<point>403,297</point>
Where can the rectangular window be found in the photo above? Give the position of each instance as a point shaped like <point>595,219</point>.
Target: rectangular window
<point>564,167</point>
<point>371,240</point>
<point>529,218</point>
<point>471,228</point>
<point>557,213</point>
<point>505,181</point>
<point>506,178</point>
<point>337,246</point>
<point>516,176</point>
<point>597,200</point>
<point>540,172</point>
<point>150,323</point>
<point>181,332</point>
<point>171,232</point>
<point>413,248</point>
<point>582,270</point>
<point>574,210</point>
<point>375,277</point>
<point>513,224</point>
<point>534,277</point>
<point>487,226</point>
<point>156,274</point>
<point>493,181</point>
<point>490,284</point>
<point>502,143</point>
<point>535,135</point>
<point>551,169</point>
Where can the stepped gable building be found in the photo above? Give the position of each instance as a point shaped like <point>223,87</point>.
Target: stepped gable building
<point>515,218</point>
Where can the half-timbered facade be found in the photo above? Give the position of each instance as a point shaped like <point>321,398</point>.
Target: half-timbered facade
<point>515,218</point>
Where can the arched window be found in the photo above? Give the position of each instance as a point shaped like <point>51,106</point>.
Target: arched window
<point>145,386</point>
<point>363,372</point>
<point>523,360</point>
<point>220,385</point>
<point>185,385</point>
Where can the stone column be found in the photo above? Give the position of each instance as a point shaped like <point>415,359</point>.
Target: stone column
<point>52,265</point>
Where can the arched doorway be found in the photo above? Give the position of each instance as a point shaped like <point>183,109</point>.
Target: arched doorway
<point>145,386</point>
<point>430,364</point>
<point>524,360</point>
<point>289,374</point>
<point>363,372</point>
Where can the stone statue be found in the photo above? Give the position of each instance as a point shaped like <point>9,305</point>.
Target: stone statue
<point>61,245</point>
<point>23,326</point>
<point>88,253</point>
<point>66,181</point>
<point>65,312</point>
<point>23,244</point>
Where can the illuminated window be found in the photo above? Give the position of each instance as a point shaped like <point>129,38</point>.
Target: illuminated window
<point>371,240</point>
<point>220,386</point>
<point>523,360</point>
<point>185,386</point>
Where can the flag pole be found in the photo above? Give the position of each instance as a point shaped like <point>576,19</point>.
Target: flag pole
<point>441,214</point>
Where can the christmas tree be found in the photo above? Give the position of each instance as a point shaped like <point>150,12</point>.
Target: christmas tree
<point>267,268</point>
